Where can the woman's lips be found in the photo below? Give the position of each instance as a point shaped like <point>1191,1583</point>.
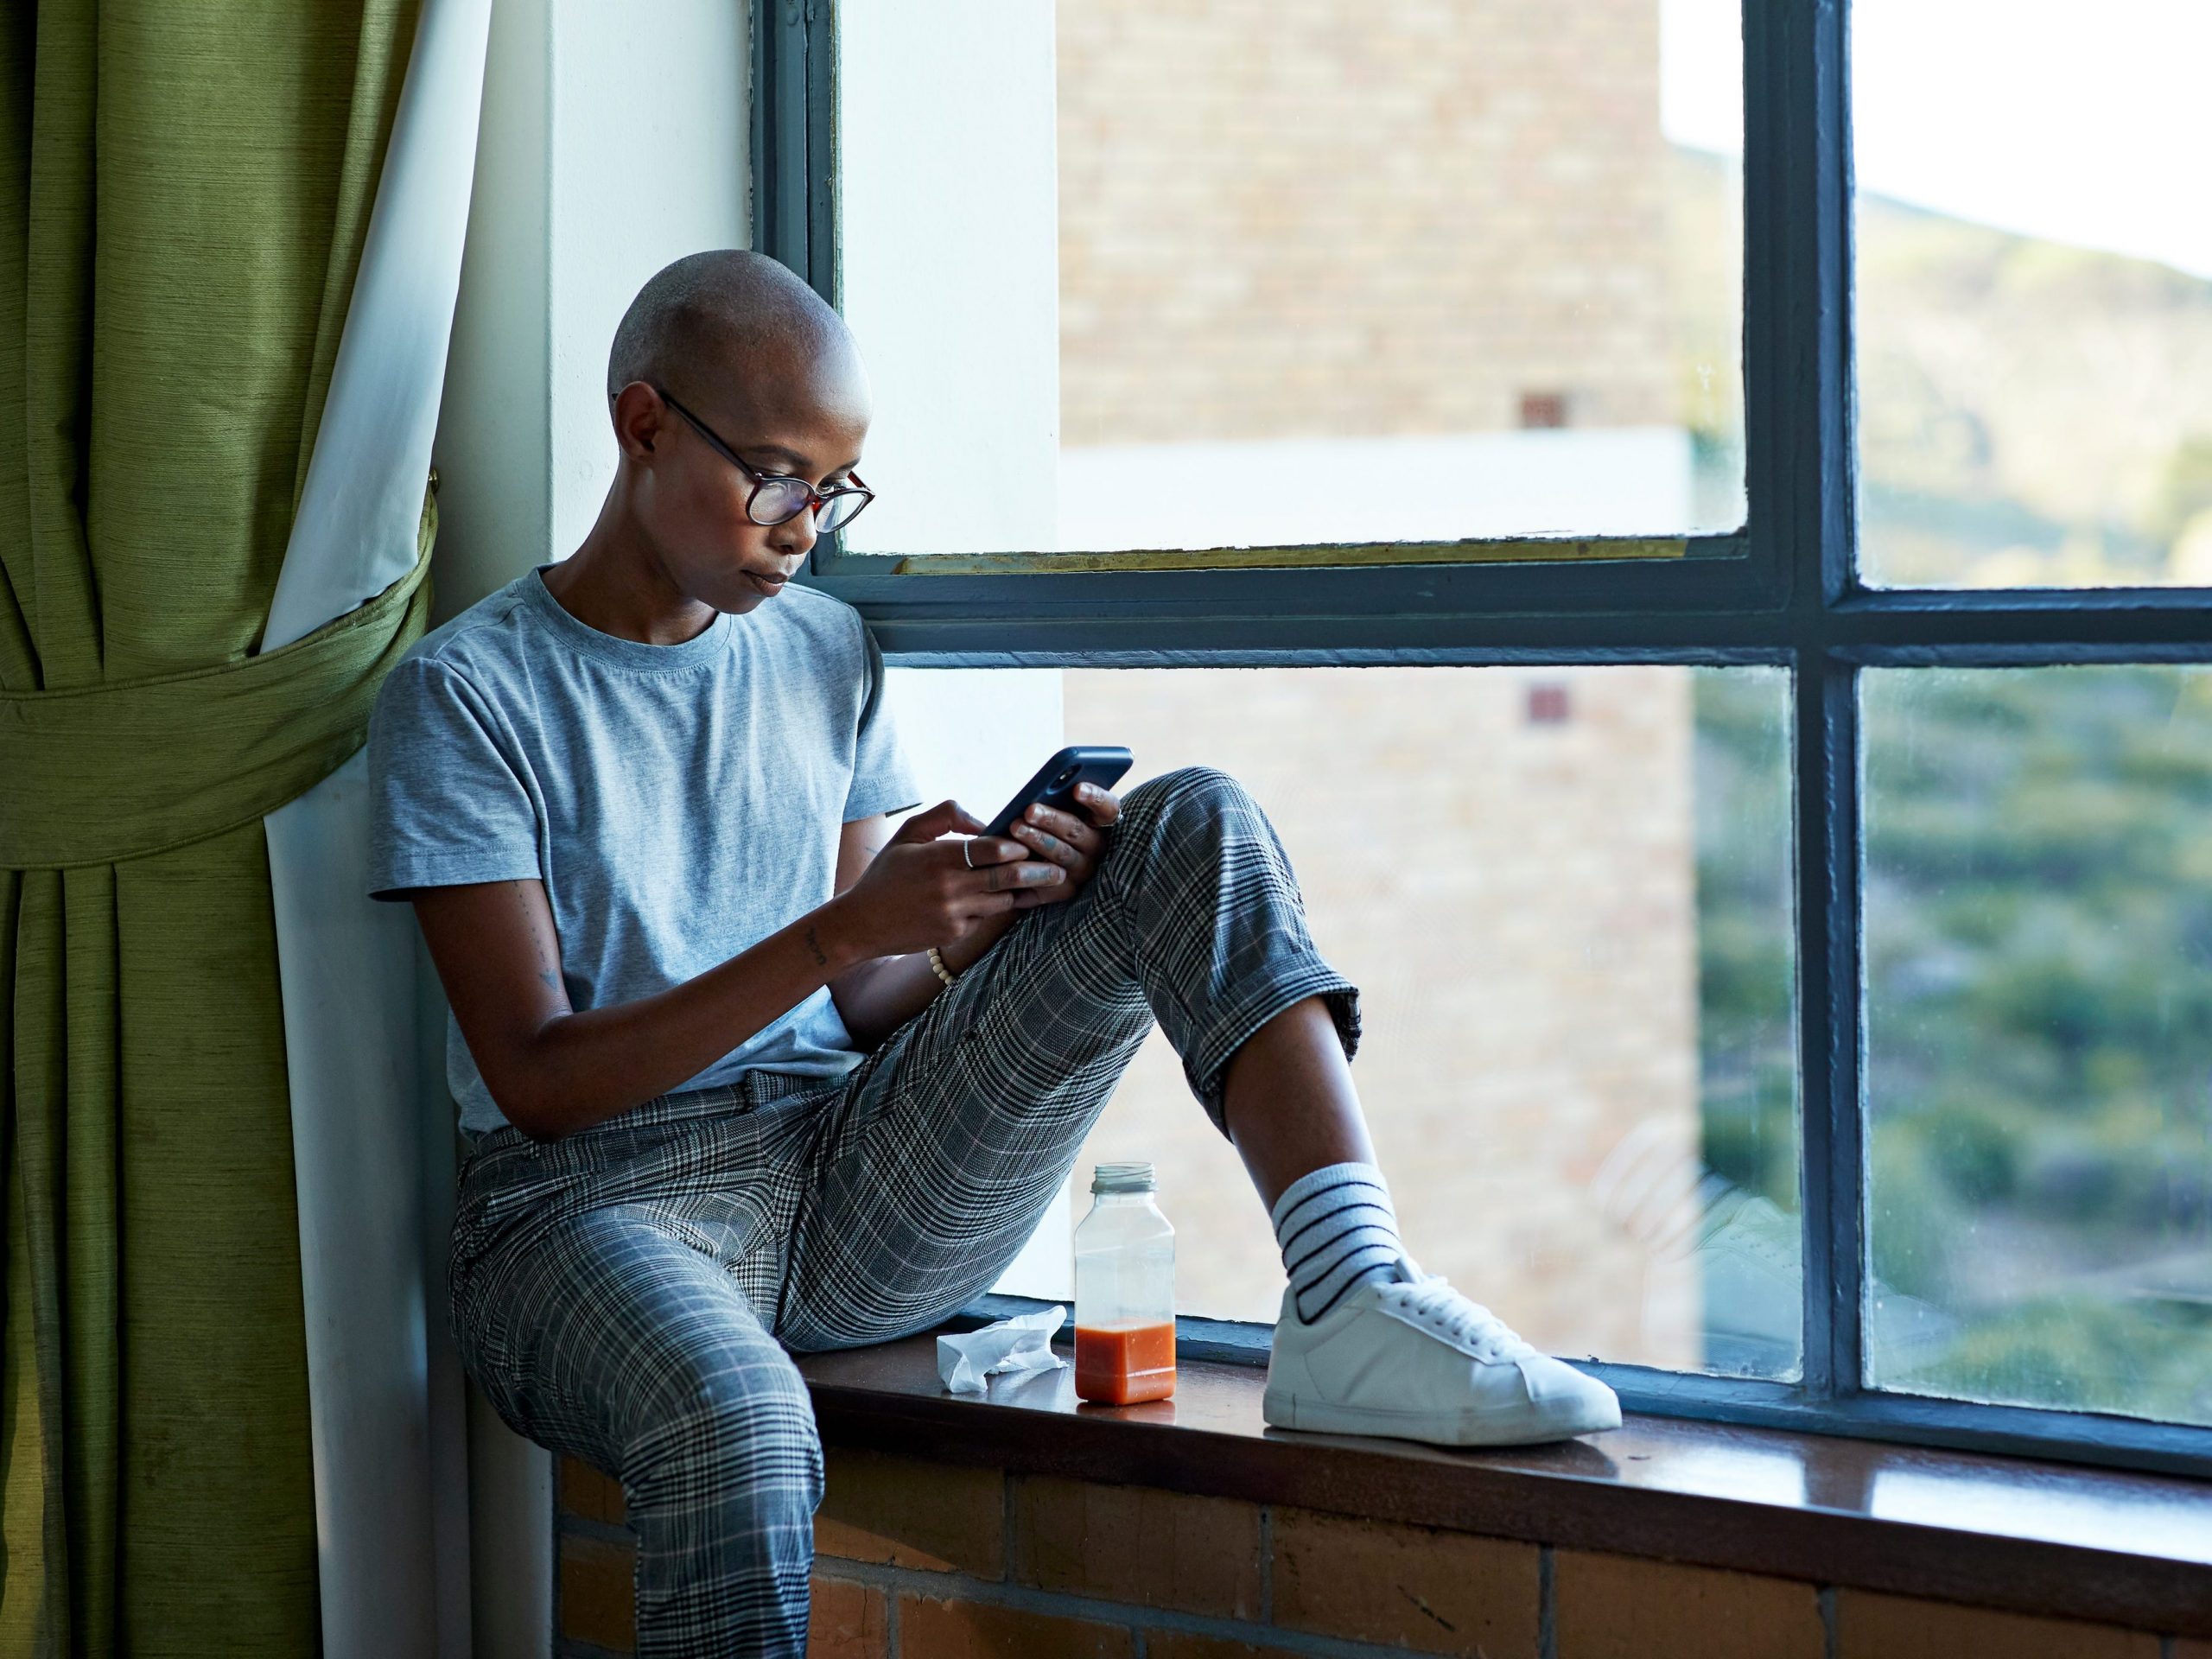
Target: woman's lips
<point>767,585</point>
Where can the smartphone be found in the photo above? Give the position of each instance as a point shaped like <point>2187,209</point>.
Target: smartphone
<point>1054,784</point>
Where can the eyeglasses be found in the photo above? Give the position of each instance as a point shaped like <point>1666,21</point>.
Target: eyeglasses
<point>778,498</point>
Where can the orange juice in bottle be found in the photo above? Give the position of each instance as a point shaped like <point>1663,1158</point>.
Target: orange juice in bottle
<point>1124,1291</point>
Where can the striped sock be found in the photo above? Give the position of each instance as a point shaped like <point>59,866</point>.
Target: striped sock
<point>1337,1229</point>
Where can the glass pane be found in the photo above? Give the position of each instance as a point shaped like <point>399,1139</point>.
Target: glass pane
<point>1565,895</point>
<point>2034,319</point>
<point>2039,901</point>
<point>1189,273</point>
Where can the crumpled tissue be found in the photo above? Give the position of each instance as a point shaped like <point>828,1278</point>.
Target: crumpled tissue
<point>1009,1347</point>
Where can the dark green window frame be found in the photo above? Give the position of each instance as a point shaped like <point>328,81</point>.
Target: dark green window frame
<point>1781,590</point>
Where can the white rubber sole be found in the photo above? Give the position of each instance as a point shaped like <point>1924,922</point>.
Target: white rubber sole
<point>1525,1424</point>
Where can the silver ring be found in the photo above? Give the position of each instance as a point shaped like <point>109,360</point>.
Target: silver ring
<point>968,852</point>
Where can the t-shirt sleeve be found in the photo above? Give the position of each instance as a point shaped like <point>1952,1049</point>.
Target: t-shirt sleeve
<point>446,805</point>
<point>882,781</point>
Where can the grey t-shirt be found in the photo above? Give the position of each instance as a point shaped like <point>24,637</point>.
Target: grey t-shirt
<point>680,802</point>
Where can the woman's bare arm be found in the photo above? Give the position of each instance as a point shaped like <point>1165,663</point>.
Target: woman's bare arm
<point>553,1070</point>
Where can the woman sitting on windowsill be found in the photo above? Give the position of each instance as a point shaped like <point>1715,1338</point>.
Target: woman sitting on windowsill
<point>746,1072</point>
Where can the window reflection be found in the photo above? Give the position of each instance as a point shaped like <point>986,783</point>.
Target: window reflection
<point>2063,1508</point>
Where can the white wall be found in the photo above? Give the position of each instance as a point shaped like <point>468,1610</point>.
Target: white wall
<point>491,448</point>
<point>648,137</point>
<point>607,150</point>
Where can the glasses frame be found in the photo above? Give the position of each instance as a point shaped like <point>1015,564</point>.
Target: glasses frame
<point>816,499</point>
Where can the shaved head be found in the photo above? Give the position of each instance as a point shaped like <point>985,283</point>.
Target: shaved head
<point>738,329</point>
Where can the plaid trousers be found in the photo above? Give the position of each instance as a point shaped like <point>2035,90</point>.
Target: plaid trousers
<point>631,1294</point>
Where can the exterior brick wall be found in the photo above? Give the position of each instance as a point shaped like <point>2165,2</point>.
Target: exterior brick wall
<point>919,1560</point>
<point>1503,860</point>
<point>1298,217</point>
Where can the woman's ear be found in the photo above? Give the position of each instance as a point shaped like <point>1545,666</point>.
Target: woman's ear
<point>640,418</point>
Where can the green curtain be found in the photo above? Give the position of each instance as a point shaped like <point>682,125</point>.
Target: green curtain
<point>184,190</point>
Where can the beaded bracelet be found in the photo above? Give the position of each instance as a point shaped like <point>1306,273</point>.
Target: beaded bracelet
<point>937,967</point>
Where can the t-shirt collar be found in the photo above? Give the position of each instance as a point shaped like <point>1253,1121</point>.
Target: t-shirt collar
<point>709,643</point>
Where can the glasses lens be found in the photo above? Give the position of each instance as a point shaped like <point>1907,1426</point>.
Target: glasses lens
<point>839,511</point>
<point>778,499</point>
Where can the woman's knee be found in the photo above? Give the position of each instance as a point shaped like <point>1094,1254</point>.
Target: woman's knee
<point>736,1413</point>
<point>1186,789</point>
<point>1190,805</point>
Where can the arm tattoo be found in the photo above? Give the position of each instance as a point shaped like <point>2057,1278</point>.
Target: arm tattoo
<point>815,945</point>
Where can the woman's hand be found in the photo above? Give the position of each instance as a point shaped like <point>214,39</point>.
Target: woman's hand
<point>924,889</point>
<point>1072,842</point>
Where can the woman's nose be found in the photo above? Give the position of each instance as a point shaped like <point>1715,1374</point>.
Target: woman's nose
<point>795,536</point>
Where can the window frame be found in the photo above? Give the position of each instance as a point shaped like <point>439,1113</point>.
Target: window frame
<point>1781,590</point>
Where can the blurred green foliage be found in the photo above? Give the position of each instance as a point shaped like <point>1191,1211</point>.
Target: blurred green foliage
<point>2038,913</point>
<point>1747,957</point>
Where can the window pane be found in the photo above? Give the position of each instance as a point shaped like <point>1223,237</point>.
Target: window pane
<point>1565,895</point>
<point>1215,273</point>
<point>2038,900</point>
<point>2034,318</point>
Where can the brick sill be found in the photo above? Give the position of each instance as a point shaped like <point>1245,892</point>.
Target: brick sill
<point>1999,1532</point>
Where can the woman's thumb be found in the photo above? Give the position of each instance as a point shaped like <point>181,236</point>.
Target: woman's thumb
<point>932,822</point>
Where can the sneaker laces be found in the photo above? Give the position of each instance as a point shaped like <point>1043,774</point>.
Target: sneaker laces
<point>1429,1298</point>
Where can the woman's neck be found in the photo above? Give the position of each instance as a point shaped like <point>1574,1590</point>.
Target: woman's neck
<point>612,582</point>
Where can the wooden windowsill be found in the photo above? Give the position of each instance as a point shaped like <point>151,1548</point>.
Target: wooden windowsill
<point>2010,1532</point>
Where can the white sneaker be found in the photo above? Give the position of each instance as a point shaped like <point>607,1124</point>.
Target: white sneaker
<point>1414,1359</point>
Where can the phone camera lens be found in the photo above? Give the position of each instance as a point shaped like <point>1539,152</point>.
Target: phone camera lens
<point>1066,777</point>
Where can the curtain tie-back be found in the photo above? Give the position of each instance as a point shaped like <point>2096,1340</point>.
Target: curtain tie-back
<point>104,773</point>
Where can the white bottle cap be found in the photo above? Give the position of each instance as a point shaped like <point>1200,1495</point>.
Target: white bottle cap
<point>1121,1178</point>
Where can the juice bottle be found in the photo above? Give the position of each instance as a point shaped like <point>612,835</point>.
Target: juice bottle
<point>1124,1291</point>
